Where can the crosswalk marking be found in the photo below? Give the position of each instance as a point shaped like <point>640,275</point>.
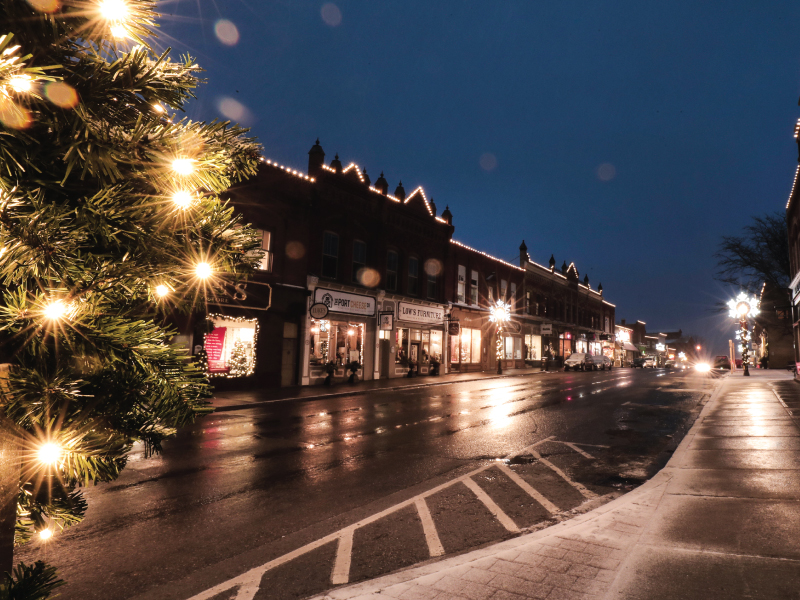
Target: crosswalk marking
<point>344,553</point>
<point>435,547</point>
<point>504,519</point>
<point>549,506</point>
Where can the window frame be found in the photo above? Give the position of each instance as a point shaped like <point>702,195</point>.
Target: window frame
<point>333,257</point>
<point>356,266</point>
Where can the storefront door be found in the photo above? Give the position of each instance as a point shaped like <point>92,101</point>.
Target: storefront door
<point>414,352</point>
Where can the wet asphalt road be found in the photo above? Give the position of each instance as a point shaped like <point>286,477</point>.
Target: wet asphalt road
<point>241,488</point>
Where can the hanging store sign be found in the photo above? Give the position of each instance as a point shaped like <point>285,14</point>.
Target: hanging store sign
<point>546,328</point>
<point>245,294</point>
<point>453,328</point>
<point>318,310</point>
<point>386,321</point>
<point>415,313</point>
<point>342,302</point>
<point>660,347</point>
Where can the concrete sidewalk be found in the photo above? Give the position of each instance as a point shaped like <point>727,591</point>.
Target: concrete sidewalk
<point>239,399</point>
<point>720,521</point>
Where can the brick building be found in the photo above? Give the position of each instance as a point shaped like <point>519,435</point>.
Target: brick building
<point>355,274</point>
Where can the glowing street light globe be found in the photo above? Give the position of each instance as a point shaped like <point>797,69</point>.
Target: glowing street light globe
<point>500,312</point>
<point>742,307</point>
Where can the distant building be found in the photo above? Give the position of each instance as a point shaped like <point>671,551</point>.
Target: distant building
<point>793,223</point>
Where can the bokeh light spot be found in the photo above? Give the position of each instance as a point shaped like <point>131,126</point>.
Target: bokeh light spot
<point>46,6</point>
<point>488,161</point>
<point>368,277</point>
<point>606,172</point>
<point>295,250</point>
<point>61,94</point>
<point>13,116</point>
<point>226,32</point>
<point>233,109</point>
<point>433,266</point>
<point>331,14</point>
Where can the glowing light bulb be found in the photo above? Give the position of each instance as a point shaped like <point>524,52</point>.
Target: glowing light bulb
<point>162,290</point>
<point>55,310</point>
<point>21,83</point>
<point>158,108</point>
<point>119,31</point>
<point>114,10</point>
<point>350,332</point>
<point>182,199</point>
<point>49,453</point>
<point>183,166</point>
<point>46,534</point>
<point>203,270</point>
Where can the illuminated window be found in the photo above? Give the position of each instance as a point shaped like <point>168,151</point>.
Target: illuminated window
<point>330,254</point>
<point>512,300</point>
<point>266,261</point>
<point>462,284</point>
<point>503,288</point>
<point>473,288</point>
<point>392,261</point>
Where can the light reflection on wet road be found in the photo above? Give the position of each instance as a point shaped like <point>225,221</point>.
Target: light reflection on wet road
<point>241,487</point>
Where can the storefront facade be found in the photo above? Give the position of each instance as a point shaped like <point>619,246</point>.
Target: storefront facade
<point>412,337</point>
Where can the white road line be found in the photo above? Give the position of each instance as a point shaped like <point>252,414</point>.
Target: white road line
<point>681,390</point>
<point>248,591</point>
<point>435,547</point>
<point>586,493</point>
<point>527,449</point>
<point>578,450</point>
<point>344,552</point>
<point>504,519</point>
<point>549,506</point>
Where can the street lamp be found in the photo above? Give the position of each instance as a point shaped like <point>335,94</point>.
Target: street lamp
<point>500,314</point>
<point>741,308</point>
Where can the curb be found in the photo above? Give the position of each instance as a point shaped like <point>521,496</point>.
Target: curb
<point>660,479</point>
<point>363,392</point>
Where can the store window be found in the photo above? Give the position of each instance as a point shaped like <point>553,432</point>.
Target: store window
<point>462,284</point>
<point>431,286</point>
<point>413,276</point>
<point>473,288</point>
<point>509,348</point>
<point>533,347</point>
<point>359,259</point>
<point>466,347</point>
<point>330,254</point>
<point>418,346</point>
<point>518,347</point>
<point>231,346</point>
<point>340,342</point>
<point>392,261</point>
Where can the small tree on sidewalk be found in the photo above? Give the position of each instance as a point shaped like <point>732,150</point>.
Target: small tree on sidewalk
<point>109,218</point>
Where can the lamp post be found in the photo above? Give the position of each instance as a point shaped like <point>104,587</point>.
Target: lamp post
<point>500,314</point>
<point>741,308</point>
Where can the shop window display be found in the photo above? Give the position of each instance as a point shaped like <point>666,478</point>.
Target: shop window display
<point>339,342</point>
<point>230,346</point>
<point>533,347</point>
<point>466,347</point>
<point>417,346</point>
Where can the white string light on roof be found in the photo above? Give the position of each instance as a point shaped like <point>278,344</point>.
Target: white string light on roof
<point>289,171</point>
<point>487,255</point>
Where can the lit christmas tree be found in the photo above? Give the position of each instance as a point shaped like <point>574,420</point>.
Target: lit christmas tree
<point>238,366</point>
<point>110,217</point>
<point>201,359</point>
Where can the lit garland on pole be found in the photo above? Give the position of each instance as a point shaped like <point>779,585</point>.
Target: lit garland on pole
<point>741,308</point>
<point>501,313</point>
<point>110,218</point>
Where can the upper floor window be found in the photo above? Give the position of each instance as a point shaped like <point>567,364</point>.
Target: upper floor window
<point>330,254</point>
<point>266,260</point>
<point>462,284</point>
<point>473,288</point>
<point>413,276</point>
<point>503,288</point>
<point>359,259</point>
<point>528,302</point>
<point>512,300</point>
<point>431,286</point>
<point>392,262</point>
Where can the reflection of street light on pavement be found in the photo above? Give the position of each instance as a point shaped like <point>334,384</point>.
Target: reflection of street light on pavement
<point>741,308</point>
<point>500,314</point>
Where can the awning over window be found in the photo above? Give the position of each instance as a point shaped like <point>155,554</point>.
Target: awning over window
<point>629,346</point>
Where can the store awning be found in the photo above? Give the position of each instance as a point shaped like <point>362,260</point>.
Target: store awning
<point>630,347</point>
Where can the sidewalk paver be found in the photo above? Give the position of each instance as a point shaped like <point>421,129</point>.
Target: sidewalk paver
<point>721,520</point>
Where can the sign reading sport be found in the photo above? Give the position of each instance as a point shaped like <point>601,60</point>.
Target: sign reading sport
<point>342,302</point>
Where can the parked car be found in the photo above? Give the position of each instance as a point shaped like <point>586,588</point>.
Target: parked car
<point>579,361</point>
<point>670,364</point>
<point>649,361</point>
<point>638,361</point>
<point>722,362</point>
<point>607,363</point>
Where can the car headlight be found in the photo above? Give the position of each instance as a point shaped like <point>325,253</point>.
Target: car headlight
<point>703,367</point>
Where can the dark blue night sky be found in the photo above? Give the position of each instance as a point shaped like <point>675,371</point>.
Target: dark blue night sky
<point>625,136</point>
